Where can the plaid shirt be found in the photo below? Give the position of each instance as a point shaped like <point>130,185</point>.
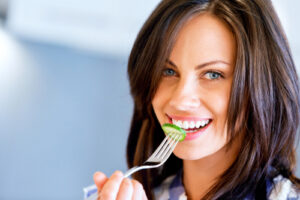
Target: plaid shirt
<point>172,189</point>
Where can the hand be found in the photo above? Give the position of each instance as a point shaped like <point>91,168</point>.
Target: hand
<point>118,188</point>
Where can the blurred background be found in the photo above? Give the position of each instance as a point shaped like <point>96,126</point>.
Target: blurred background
<point>65,106</point>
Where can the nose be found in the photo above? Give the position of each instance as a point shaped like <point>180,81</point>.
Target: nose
<point>186,95</point>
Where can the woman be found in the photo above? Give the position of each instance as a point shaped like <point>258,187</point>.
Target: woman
<point>223,71</point>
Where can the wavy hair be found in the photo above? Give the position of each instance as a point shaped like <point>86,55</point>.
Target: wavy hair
<point>264,101</point>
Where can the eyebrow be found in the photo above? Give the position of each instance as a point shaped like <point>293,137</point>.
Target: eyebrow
<point>201,65</point>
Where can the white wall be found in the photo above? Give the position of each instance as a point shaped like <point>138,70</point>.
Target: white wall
<point>288,11</point>
<point>108,26</point>
<point>103,26</point>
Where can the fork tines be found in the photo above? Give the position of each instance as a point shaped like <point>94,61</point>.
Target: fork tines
<point>165,148</point>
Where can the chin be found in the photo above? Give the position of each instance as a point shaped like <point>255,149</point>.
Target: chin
<point>191,152</point>
<point>188,154</point>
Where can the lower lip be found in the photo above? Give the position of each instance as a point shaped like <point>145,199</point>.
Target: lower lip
<point>196,134</point>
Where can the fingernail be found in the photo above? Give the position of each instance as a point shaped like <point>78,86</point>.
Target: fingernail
<point>118,173</point>
<point>127,181</point>
<point>95,174</point>
<point>98,174</point>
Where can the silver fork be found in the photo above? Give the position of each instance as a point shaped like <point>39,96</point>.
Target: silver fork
<point>158,157</point>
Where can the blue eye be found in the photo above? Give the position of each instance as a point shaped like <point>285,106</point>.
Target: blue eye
<point>169,72</point>
<point>213,75</point>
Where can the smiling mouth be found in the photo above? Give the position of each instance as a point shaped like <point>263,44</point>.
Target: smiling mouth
<point>192,130</point>
<point>191,126</point>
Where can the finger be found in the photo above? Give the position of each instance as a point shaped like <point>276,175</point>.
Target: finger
<point>144,197</point>
<point>111,187</point>
<point>126,190</point>
<point>100,179</point>
<point>138,190</point>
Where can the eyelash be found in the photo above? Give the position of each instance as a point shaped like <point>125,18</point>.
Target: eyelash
<point>166,70</point>
<point>214,72</point>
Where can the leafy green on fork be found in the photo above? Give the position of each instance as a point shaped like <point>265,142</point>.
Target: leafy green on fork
<point>172,128</point>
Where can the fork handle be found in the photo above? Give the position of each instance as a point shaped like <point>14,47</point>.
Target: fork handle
<point>131,171</point>
<point>137,168</point>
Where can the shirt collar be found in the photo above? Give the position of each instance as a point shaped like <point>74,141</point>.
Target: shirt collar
<point>176,190</point>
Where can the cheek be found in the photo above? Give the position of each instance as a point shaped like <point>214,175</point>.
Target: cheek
<point>157,100</point>
<point>217,102</point>
<point>221,106</point>
<point>162,94</point>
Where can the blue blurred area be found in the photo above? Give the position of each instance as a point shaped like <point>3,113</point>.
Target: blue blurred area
<point>67,115</point>
<point>65,105</point>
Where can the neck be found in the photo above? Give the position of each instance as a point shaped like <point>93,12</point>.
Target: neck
<point>200,175</point>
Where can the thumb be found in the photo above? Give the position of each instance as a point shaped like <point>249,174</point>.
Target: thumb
<point>144,196</point>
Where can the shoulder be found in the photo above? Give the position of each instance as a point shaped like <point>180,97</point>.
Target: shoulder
<point>283,189</point>
<point>162,191</point>
<point>280,189</point>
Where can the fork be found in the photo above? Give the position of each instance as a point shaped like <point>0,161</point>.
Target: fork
<point>158,158</point>
<point>160,155</point>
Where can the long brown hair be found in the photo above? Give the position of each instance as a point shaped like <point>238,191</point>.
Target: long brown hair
<point>264,103</point>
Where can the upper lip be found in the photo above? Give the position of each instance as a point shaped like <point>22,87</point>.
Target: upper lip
<point>187,118</point>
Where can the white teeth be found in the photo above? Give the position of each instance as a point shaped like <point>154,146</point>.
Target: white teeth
<point>185,125</point>
<point>202,123</point>
<point>190,124</point>
<point>198,123</point>
<point>179,123</point>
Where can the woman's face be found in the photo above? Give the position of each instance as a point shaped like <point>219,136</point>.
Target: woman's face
<point>195,86</point>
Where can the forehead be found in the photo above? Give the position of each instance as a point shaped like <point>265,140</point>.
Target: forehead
<point>204,38</point>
